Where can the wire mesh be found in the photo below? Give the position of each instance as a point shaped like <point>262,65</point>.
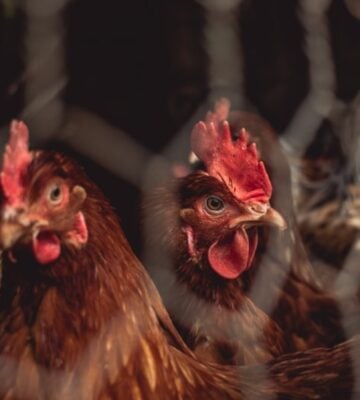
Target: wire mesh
<point>120,150</point>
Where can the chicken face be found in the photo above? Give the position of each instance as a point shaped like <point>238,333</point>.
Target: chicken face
<point>40,206</point>
<point>227,202</point>
<point>220,230</point>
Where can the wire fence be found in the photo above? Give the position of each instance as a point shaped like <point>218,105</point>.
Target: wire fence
<point>116,150</point>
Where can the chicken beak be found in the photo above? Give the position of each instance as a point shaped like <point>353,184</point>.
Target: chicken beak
<point>274,218</point>
<point>15,225</point>
<point>252,217</point>
<point>10,233</point>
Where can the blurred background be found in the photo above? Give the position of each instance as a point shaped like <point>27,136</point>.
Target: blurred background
<point>119,84</point>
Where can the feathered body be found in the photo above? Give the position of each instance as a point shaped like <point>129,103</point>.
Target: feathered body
<point>328,202</point>
<point>320,227</point>
<point>330,228</point>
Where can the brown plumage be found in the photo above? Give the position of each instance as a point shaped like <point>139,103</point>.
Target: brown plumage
<point>328,216</point>
<point>84,321</point>
<point>216,313</point>
<point>321,225</point>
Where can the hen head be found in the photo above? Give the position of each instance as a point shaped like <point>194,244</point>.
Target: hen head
<point>223,206</point>
<point>40,203</point>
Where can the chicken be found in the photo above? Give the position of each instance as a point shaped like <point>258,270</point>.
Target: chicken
<point>210,308</point>
<point>220,231</point>
<point>328,202</point>
<point>81,319</point>
<point>327,210</point>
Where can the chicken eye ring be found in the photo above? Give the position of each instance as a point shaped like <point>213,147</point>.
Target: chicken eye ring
<point>214,205</point>
<point>55,194</point>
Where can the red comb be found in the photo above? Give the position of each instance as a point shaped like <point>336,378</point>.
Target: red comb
<point>237,162</point>
<point>15,162</point>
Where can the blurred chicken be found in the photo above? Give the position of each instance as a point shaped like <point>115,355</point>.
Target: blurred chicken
<point>221,233</point>
<point>80,318</point>
<point>328,200</point>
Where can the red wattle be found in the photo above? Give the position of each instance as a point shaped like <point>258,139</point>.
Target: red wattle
<point>231,256</point>
<point>79,234</point>
<point>46,247</point>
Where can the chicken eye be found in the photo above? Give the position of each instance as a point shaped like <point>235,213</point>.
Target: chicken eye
<point>55,194</point>
<point>214,205</point>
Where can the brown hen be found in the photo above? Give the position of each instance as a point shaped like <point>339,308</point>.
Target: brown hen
<point>224,241</point>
